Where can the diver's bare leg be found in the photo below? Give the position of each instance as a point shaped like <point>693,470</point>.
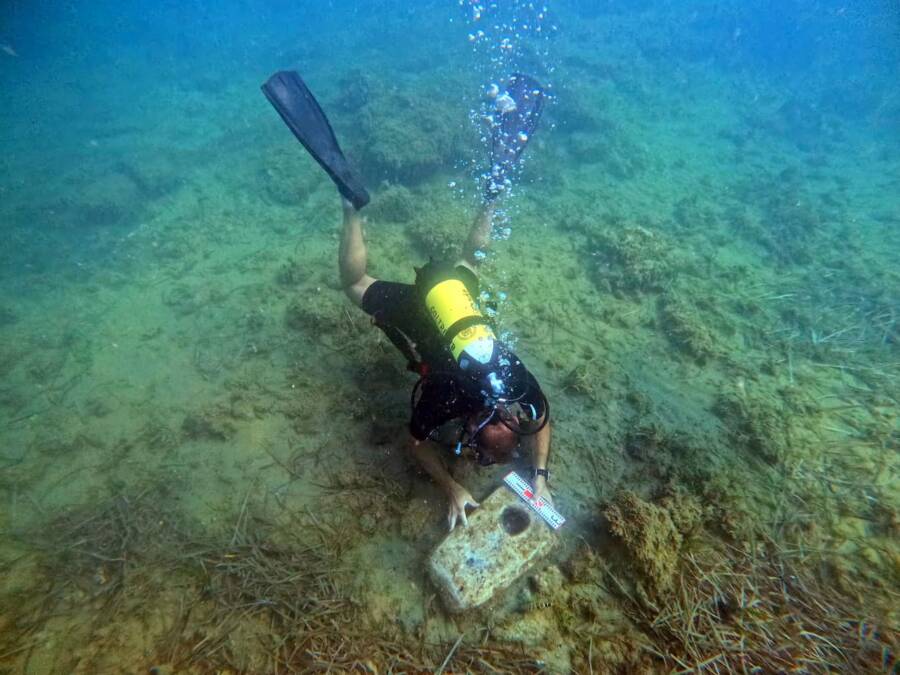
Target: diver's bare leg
<point>479,237</point>
<point>352,256</point>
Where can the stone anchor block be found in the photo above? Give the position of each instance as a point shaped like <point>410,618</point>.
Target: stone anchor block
<point>503,540</point>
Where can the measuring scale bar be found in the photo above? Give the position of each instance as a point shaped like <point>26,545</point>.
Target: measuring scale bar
<point>521,487</point>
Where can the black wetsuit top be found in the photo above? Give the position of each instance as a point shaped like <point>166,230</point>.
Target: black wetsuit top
<point>400,312</point>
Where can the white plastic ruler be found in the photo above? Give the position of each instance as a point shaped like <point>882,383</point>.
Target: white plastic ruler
<point>521,487</point>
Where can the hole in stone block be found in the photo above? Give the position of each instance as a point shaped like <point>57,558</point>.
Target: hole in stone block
<point>514,520</point>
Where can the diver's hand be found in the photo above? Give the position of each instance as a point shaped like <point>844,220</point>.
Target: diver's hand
<point>459,498</point>
<point>541,490</point>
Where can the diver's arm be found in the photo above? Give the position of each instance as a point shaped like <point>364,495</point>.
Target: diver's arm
<point>540,454</point>
<point>479,236</point>
<point>427,454</point>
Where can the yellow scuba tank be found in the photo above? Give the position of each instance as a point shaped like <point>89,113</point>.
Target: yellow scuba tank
<point>452,308</point>
<point>447,293</point>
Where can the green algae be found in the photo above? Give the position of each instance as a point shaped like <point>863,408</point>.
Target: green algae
<point>394,204</point>
<point>686,328</point>
<point>760,423</point>
<point>401,134</point>
<point>632,259</point>
<point>651,539</point>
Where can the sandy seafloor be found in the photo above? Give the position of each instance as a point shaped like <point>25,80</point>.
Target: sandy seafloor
<point>201,441</point>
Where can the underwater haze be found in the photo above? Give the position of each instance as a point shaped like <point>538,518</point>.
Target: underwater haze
<point>203,461</point>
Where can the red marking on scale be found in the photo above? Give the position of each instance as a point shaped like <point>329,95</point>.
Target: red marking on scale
<point>543,508</point>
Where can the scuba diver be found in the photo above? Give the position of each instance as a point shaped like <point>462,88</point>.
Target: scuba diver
<point>474,397</point>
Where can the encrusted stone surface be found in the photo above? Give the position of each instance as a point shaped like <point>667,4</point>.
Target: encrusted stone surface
<point>503,540</point>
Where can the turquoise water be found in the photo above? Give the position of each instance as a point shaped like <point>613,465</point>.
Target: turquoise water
<point>202,462</point>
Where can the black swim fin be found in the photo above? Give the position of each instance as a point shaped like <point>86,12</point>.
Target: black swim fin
<point>518,111</point>
<point>303,115</point>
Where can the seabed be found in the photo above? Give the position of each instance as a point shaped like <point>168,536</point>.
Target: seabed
<point>201,460</point>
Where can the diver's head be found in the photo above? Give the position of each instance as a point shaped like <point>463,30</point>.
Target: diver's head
<point>493,441</point>
<point>512,404</point>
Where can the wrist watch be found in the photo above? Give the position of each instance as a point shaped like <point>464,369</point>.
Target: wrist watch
<point>540,472</point>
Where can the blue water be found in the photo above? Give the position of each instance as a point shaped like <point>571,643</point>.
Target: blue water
<point>698,261</point>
